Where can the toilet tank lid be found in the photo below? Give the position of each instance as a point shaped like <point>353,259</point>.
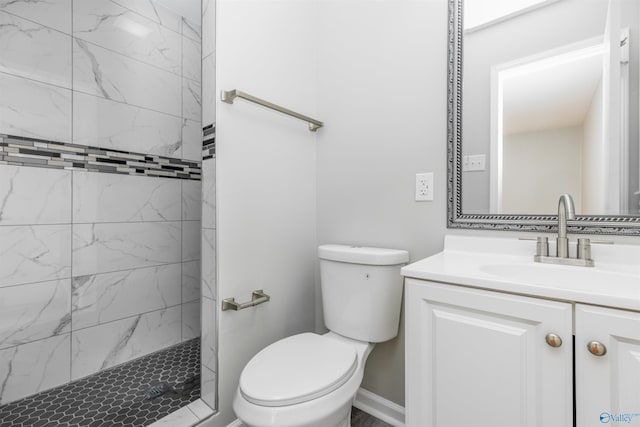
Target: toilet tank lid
<point>363,255</point>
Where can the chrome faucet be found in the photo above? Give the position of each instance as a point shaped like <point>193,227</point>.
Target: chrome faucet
<point>566,210</point>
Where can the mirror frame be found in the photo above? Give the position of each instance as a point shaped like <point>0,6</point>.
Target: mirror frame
<point>583,224</point>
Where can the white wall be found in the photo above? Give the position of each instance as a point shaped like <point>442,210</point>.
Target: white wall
<point>266,179</point>
<point>593,201</point>
<point>537,166</point>
<point>382,93</point>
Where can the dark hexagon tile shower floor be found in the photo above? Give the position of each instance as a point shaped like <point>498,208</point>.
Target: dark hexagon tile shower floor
<point>113,397</point>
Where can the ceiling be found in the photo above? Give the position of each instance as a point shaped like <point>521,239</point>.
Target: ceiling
<point>481,13</point>
<point>556,95</point>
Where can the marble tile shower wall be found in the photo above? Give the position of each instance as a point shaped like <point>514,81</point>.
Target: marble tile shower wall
<point>96,268</point>
<point>209,355</point>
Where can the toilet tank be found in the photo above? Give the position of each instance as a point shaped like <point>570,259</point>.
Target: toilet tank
<point>362,290</point>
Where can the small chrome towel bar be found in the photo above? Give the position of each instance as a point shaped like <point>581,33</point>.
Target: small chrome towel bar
<point>229,96</point>
<point>257,297</point>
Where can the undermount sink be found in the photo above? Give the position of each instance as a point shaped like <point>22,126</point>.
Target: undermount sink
<point>552,274</point>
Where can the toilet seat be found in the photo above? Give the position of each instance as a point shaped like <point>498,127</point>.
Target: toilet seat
<point>297,369</point>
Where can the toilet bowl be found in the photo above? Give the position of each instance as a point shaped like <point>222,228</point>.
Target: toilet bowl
<point>311,380</point>
<point>323,398</point>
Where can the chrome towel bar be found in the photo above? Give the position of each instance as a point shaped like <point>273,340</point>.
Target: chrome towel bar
<point>229,96</point>
<point>257,297</point>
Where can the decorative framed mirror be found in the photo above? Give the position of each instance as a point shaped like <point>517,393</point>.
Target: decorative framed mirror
<point>543,100</point>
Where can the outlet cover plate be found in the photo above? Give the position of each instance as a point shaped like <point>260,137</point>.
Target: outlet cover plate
<point>424,186</point>
<point>474,163</point>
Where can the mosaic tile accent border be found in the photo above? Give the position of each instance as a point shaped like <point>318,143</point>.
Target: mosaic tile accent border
<point>115,397</point>
<point>209,130</point>
<point>21,151</point>
<point>209,142</point>
<point>209,151</point>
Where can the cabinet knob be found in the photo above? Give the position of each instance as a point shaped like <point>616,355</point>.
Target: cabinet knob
<point>597,348</point>
<point>553,340</point>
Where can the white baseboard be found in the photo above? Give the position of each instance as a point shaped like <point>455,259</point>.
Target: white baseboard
<point>381,408</point>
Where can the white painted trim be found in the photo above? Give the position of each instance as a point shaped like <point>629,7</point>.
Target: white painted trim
<point>495,150</point>
<point>623,171</point>
<point>381,408</point>
<point>635,208</point>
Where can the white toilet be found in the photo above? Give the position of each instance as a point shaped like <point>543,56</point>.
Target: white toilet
<point>311,380</point>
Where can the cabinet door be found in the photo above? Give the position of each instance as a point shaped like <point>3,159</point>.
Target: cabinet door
<point>607,386</point>
<point>478,358</point>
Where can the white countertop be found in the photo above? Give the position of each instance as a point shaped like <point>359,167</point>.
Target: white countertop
<point>506,264</point>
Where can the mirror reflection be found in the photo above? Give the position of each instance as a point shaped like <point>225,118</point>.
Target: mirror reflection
<point>550,106</point>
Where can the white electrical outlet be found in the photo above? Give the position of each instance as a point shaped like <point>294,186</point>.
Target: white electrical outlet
<point>424,186</point>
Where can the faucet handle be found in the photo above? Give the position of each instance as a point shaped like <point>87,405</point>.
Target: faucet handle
<point>542,246</point>
<point>584,248</point>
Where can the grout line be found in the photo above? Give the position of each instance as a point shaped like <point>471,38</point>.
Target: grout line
<point>136,268</point>
<point>39,23</point>
<point>98,274</point>
<point>213,329</point>
<point>37,340</point>
<point>158,67</point>
<point>182,149</point>
<point>71,289</point>
<point>100,223</point>
<point>70,88</point>
<point>35,283</point>
<point>131,316</point>
<point>71,330</point>
<point>34,80</point>
<point>151,19</point>
<point>182,120</point>
<point>54,224</point>
<point>125,103</point>
<point>71,336</point>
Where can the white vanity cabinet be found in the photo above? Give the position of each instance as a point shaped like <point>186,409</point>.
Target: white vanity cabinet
<point>477,358</point>
<point>607,386</point>
<point>482,358</point>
